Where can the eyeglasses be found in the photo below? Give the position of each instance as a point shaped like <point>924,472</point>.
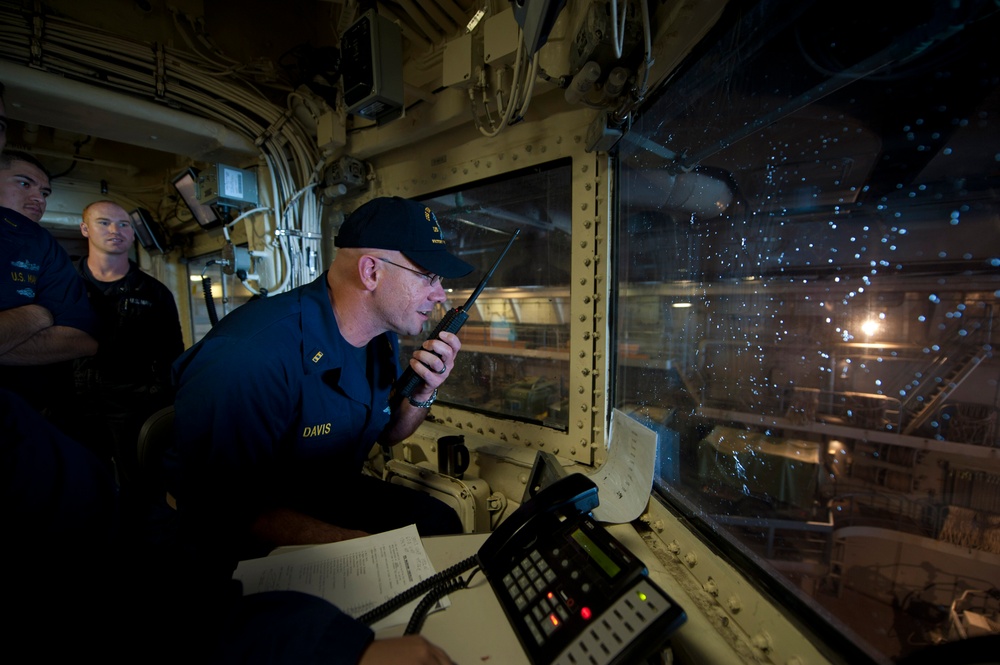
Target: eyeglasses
<point>431,278</point>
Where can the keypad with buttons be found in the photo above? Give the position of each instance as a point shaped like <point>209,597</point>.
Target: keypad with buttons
<point>582,601</point>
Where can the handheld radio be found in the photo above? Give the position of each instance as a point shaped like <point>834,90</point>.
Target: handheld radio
<point>451,322</point>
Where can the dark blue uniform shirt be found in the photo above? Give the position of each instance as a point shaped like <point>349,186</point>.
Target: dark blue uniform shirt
<point>272,408</point>
<point>38,271</point>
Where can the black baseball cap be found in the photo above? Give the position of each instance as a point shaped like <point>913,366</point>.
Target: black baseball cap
<point>406,226</point>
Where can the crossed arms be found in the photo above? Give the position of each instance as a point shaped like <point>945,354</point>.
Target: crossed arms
<point>28,337</point>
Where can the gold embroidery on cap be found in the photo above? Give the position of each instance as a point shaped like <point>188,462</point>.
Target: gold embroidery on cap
<point>429,215</point>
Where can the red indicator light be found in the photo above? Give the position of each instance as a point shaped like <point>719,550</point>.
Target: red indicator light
<point>585,613</point>
<point>550,595</point>
<point>554,619</point>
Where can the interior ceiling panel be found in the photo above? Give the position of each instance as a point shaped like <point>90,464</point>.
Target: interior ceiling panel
<point>251,31</point>
<point>89,119</point>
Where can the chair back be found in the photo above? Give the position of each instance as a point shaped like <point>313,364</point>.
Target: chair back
<point>156,435</point>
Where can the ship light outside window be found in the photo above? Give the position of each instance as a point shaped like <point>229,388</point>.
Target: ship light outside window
<point>833,370</point>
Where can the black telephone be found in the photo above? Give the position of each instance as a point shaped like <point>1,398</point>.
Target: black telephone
<point>572,592</point>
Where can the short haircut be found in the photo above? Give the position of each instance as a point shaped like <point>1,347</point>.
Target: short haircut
<point>95,203</point>
<point>8,157</point>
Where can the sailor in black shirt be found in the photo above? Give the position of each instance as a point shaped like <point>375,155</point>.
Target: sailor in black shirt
<point>139,335</point>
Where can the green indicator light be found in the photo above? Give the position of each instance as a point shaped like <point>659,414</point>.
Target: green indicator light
<point>641,595</point>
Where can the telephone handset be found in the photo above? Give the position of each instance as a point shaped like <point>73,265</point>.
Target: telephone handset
<point>572,592</point>
<point>576,494</point>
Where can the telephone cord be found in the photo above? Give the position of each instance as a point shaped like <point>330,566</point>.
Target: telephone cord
<point>432,597</point>
<point>417,590</point>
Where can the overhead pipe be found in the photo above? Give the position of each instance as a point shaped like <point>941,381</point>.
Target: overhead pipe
<point>130,169</point>
<point>56,101</point>
<point>456,13</point>
<point>444,22</point>
<point>433,34</point>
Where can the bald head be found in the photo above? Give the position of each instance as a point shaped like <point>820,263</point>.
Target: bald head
<point>107,228</point>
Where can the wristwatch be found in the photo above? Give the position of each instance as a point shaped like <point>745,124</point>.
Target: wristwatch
<point>427,404</point>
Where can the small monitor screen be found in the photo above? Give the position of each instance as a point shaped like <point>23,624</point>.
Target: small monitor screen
<point>596,553</point>
<point>147,231</point>
<point>187,186</point>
